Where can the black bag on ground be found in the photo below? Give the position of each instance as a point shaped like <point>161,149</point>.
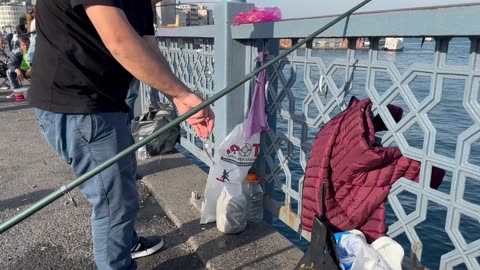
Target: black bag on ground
<point>152,120</point>
<point>322,253</point>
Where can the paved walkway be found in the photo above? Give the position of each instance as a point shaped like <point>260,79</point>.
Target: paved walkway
<point>58,237</point>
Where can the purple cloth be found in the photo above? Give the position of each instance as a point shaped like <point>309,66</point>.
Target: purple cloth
<point>257,118</point>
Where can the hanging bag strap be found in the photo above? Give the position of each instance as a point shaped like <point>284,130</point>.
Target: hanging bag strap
<point>322,253</point>
<point>324,239</point>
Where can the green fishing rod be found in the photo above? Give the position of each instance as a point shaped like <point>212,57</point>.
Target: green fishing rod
<point>83,178</point>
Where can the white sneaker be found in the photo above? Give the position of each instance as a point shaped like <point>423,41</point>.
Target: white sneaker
<point>145,248</point>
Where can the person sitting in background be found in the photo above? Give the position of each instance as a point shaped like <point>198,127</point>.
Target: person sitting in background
<point>19,68</point>
<point>3,65</point>
<point>3,54</point>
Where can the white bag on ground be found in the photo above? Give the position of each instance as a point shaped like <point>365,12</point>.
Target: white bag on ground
<point>234,157</point>
<point>383,254</point>
<point>391,251</point>
<point>232,210</point>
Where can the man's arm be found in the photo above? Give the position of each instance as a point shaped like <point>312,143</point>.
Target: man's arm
<point>152,42</point>
<point>130,50</point>
<point>139,58</point>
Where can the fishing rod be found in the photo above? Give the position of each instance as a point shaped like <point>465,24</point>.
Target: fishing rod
<point>83,178</point>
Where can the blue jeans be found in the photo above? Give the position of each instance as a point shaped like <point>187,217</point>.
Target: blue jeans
<point>133,94</point>
<point>131,98</point>
<point>85,141</point>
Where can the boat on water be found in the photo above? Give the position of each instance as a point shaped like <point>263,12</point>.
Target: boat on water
<point>428,39</point>
<point>392,44</point>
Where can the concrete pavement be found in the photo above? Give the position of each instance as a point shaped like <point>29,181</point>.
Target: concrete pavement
<point>58,237</point>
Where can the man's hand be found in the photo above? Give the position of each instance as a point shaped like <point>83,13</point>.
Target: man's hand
<point>203,121</point>
<point>19,74</point>
<point>28,73</point>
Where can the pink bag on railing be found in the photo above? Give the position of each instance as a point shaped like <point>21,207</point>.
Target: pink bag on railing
<point>258,15</point>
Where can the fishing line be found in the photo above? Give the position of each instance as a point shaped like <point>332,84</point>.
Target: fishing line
<point>60,192</point>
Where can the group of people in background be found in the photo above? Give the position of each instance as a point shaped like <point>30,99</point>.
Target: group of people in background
<point>17,63</point>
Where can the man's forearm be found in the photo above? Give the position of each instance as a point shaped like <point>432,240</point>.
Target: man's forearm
<point>152,42</point>
<point>132,52</point>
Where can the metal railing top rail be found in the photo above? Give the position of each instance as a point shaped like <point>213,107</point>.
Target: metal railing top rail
<point>202,31</point>
<point>451,20</point>
<point>85,177</point>
<point>457,20</point>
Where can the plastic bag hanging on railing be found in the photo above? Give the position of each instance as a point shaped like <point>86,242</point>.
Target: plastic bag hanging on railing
<point>257,118</point>
<point>234,157</point>
<point>227,176</point>
<point>268,14</point>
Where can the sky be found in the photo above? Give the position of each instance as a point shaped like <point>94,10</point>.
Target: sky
<point>312,8</point>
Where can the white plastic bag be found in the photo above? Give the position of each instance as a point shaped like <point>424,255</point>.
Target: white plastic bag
<point>231,211</point>
<point>356,254</point>
<point>233,159</point>
<point>391,251</point>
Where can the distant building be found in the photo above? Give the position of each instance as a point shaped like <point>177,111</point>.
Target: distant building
<point>182,14</point>
<point>180,19</point>
<point>166,12</point>
<point>10,13</point>
<point>205,15</point>
<point>191,10</point>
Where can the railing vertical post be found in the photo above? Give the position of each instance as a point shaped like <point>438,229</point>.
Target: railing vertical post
<point>272,47</point>
<point>230,66</point>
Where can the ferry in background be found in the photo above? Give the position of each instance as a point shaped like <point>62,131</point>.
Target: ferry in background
<point>392,44</point>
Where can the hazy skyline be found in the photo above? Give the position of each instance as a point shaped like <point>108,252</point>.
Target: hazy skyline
<point>311,8</point>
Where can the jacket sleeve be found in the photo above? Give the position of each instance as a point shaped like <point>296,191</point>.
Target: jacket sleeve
<point>407,168</point>
<point>410,169</point>
<point>374,159</point>
<point>15,60</point>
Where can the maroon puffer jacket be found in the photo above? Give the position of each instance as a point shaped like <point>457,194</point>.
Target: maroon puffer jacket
<point>358,174</point>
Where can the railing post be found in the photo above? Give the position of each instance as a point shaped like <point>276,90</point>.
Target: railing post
<point>261,166</point>
<point>230,66</point>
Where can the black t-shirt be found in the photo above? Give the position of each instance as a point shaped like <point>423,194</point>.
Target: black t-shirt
<point>74,72</point>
